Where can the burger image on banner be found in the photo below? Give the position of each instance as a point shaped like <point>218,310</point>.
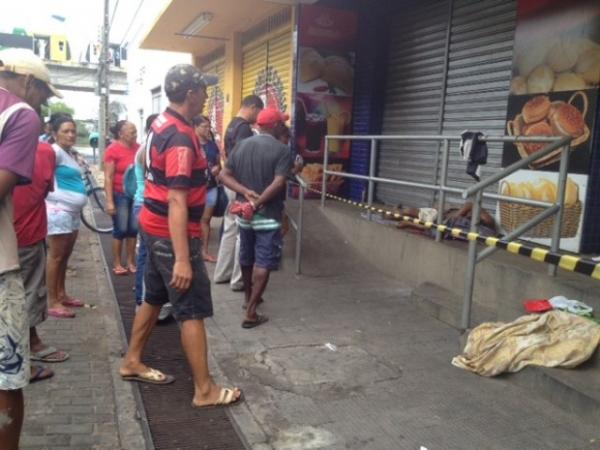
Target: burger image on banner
<point>540,116</point>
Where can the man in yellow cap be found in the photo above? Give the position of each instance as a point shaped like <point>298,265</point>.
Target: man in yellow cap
<point>24,87</point>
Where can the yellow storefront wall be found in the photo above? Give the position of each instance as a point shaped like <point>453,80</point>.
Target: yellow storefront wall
<point>266,69</point>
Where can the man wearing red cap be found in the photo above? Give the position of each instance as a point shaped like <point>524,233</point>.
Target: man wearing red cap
<point>257,169</point>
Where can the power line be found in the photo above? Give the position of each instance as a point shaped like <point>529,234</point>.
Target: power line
<point>114,13</point>
<point>128,28</point>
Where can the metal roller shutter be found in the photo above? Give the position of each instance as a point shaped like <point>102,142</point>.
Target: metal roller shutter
<point>254,62</point>
<point>215,102</point>
<point>478,83</point>
<point>266,70</point>
<point>413,102</point>
<point>279,63</point>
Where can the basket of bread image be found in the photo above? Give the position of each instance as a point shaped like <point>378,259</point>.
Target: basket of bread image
<point>542,117</point>
<point>564,63</point>
<point>513,215</point>
<point>313,175</point>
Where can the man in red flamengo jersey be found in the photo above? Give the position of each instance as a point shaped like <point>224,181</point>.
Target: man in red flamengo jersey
<point>174,197</point>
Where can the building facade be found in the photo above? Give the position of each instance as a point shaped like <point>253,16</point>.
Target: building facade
<point>434,67</point>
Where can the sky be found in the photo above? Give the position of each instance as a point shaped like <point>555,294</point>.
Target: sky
<point>83,19</point>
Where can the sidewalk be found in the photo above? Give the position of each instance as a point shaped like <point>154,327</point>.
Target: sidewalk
<point>347,361</point>
<point>85,405</point>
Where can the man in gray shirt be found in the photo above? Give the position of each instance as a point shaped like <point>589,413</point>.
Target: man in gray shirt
<point>257,169</point>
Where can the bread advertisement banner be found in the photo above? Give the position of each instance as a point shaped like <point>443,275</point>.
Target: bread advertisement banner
<point>325,80</point>
<point>543,186</point>
<point>555,79</point>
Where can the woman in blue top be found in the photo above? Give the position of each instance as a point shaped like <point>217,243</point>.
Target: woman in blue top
<point>63,207</point>
<point>202,127</point>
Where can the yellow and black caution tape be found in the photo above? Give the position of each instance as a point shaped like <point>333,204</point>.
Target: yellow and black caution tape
<point>566,262</point>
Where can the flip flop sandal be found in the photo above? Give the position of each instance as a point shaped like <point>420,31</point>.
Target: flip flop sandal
<point>45,355</point>
<point>41,373</point>
<point>260,319</point>
<point>74,303</point>
<point>132,269</point>
<point>225,399</point>
<point>61,313</point>
<point>120,271</point>
<point>151,376</point>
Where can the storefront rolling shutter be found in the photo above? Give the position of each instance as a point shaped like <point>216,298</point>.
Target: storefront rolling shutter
<point>413,99</point>
<point>279,62</point>
<point>215,103</point>
<point>478,83</point>
<point>254,63</point>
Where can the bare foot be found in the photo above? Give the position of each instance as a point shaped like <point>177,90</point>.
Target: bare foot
<point>209,258</point>
<point>128,369</point>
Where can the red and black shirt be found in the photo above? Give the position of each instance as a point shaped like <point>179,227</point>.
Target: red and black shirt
<point>174,160</point>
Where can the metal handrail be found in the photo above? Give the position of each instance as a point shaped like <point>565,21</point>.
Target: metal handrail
<point>297,224</point>
<point>556,208</point>
<point>516,166</point>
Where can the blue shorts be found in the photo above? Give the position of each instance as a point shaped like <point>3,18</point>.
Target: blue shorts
<point>125,222</point>
<point>260,248</point>
<point>211,197</point>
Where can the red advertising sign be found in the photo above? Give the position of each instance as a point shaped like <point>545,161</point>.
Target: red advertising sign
<point>328,28</point>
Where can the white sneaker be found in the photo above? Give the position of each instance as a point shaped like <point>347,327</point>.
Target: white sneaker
<point>165,312</point>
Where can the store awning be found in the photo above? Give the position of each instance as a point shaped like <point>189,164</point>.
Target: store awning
<point>215,20</point>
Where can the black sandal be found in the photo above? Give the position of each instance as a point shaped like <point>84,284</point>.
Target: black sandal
<point>260,319</point>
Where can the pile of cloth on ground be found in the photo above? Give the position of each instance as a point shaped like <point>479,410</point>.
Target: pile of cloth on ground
<point>553,339</point>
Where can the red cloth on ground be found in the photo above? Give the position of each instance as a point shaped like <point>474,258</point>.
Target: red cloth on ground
<point>122,157</point>
<point>30,221</point>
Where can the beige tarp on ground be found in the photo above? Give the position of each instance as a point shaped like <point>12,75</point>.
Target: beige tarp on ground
<point>553,339</point>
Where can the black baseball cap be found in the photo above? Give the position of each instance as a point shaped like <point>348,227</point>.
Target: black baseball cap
<point>186,77</point>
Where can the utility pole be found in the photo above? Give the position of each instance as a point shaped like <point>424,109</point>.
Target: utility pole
<point>103,68</point>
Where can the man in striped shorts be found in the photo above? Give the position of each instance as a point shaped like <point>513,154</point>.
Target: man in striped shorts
<point>257,170</point>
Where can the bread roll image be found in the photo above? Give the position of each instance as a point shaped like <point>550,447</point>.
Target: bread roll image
<point>567,120</point>
<point>588,66</point>
<point>571,192</point>
<point>533,56</point>
<point>542,128</point>
<point>544,191</point>
<point>339,73</point>
<point>564,54</point>
<point>568,81</point>
<point>311,64</point>
<point>540,80</point>
<point>518,85</point>
<point>536,109</point>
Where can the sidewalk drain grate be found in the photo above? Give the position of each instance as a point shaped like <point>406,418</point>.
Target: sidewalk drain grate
<point>173,423</point>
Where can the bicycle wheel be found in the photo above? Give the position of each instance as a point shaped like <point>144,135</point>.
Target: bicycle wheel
<point>94,214</point>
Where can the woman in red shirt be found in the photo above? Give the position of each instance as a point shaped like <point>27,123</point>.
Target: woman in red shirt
<point>118,158</point>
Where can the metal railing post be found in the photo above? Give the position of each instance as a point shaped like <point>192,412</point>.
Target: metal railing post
<point>299,225</point>
<point>471,262</point>
<point>371,188</point>
<point>325,166</point>
<point>560,197</point>
<point>441,192</point>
